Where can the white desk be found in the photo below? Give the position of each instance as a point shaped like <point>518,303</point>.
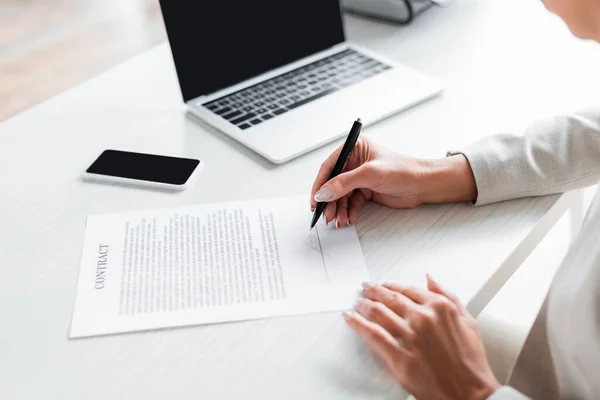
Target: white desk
<point>498,60</point>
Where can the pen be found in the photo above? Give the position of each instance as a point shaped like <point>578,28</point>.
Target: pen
<point>339,164</point>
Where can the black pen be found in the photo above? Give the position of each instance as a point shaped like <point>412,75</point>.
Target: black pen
<point>339,164</point>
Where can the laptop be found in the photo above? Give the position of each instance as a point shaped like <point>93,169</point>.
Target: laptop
<point>279,76</point>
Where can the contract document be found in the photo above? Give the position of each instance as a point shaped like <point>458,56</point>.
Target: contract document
<point>212,263</point>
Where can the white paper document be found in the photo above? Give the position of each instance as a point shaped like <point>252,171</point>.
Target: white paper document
<point>212,263</point>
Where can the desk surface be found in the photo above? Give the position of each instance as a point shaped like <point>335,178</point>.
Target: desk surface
<point>498,73</point>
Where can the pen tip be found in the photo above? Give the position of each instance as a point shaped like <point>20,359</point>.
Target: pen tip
<point>310,229</point>
<point>358,120</point>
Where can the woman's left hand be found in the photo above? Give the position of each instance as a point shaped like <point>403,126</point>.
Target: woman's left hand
<point>427,338</point>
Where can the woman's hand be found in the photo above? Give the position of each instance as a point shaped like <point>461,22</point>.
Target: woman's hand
<point>427,338</point>
<point>375,173</point>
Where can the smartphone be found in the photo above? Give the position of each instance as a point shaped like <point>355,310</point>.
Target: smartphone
<point>141,169</point>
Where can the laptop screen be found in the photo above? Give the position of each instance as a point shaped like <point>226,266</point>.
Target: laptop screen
<point>218,43</point>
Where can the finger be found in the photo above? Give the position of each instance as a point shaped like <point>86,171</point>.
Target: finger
<point>356,201</point>
<point>324,173</point>
<point>330,210</point>
<point>435,287</point>
<point>419,296</point>
<point>376,337</point>
<point>341,185</point>
<point>341,218</point>
<point>378,313</point>
<point>393,300</point>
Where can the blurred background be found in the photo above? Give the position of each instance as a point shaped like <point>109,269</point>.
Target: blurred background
<point>47,47</point>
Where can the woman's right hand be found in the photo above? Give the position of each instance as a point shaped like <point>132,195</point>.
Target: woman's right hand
<point>374,173</point>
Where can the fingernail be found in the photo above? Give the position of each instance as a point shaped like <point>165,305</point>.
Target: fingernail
<point>367,285</point>
<point>324,194</point>
<point>337,223</point>
<point>359,303</point>
<point>347,222</point>
<point>348,315</point>
<point>312,209</point>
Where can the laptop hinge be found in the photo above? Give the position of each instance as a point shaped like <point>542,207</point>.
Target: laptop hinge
<point>202,98</point>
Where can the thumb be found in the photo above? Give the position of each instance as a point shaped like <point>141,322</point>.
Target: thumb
<point>344,183</point>
<point>435,287</point>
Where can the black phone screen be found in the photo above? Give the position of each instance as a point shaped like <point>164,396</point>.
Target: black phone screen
<point>145,167</point>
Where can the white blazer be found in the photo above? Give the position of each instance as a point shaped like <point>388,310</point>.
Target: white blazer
<point>561,356</point>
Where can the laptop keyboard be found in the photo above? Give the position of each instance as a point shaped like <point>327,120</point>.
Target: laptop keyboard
<point>268,99</point>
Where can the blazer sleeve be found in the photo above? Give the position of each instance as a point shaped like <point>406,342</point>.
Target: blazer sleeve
<point>553,156</point>
<point>507,393</point>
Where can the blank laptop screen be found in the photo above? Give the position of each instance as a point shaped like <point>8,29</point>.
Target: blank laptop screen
<point>218,43</point>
